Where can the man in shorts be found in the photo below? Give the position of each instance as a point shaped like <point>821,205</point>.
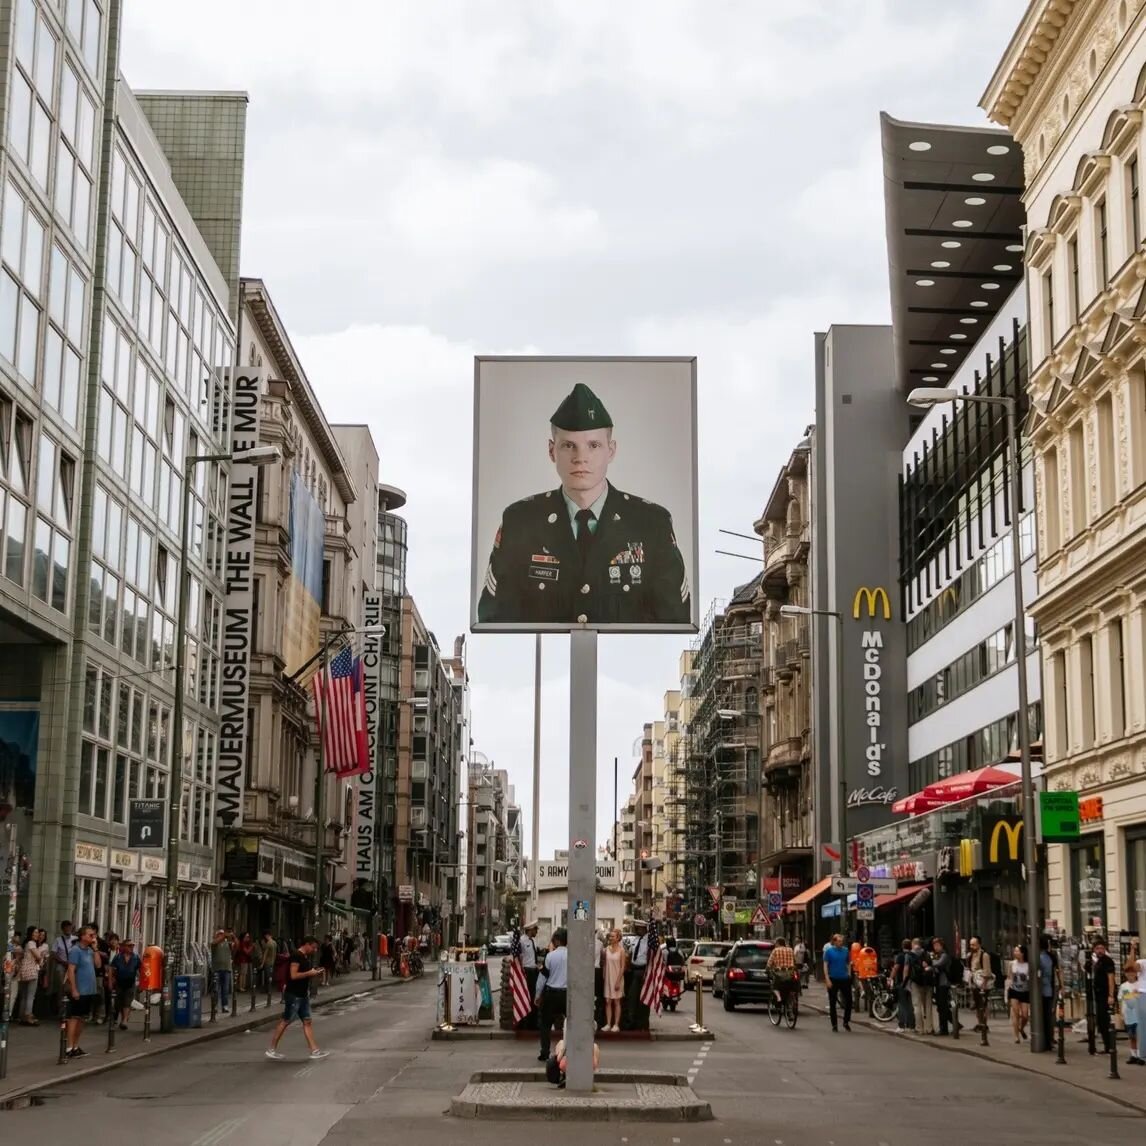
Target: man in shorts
<point>124,969</point>
<point>296,998</point>
<point>82,988</point>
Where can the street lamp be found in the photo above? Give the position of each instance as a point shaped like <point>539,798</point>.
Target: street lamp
<point>925,397</point>
<point>256,456</point>
<point>841,738</point>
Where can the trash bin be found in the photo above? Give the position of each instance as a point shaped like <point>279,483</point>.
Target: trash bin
<point>188,1001</point>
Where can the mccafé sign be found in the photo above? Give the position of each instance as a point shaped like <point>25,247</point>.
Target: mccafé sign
<point>871,641</point>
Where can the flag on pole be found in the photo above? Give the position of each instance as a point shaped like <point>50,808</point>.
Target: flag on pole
<point>655,974</point>
<point>344,737</point>
<point>136,921</point>
<point>518,983</point>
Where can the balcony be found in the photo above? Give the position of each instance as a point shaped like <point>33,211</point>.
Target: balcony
<point>787,660</point>
<point>784,762</point>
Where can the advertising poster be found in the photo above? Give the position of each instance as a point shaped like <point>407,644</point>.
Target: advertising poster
<point>303,589</point>
<point>585,500</point>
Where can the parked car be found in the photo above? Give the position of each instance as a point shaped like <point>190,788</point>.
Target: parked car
<point>704,955</point>
<point>500,945</point>
<point>741,976</point>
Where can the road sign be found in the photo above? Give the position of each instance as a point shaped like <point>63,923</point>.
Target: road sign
<point>865,914</point>
<point>863,874</point>
<point>845,885</point>
<point>729,903</point>
<point>146,820</point>
<point>715,893</point>
<point>761,928</point>
<point>699,920</point>
<point>1059,817</point>
<point>865,896</point>
<point>727,916</point>
<point>775,902</point>
<point>759,916</point>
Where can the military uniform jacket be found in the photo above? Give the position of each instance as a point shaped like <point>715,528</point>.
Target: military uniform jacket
<point>632,574</point>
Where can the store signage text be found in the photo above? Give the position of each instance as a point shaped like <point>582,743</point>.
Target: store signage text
<point>238,567</point>
<point>879,795</point>
<point>1004,836</point>
<point>1090,810</point>
<point>872,644</point>
<point>365,782</point>
<point>553,874</point>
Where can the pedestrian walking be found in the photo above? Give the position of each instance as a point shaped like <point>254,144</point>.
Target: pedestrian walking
<point>838,977</point>
<point>1104,990</point>
<point>268,953</point>
<point>947,974</point>
<point>222,956</point>
<point>905,1013</point>
<point>1128,1007</point>
<point>123,972</point>
<point>982,980</point>
<point>296,998</point>
<point>614,960</point>
<point>1019,992</point>
<point>552,989</point>
<point>1050,980</point>
<point>82,987</point>
<point>30,956</point>
<point>800,954</point>
<point>327,960</point>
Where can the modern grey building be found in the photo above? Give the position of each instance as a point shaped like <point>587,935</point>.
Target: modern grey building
<point>120,244</point>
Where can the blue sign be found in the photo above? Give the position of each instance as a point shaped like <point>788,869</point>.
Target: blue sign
<point>865,895</point>
<point>775,903</point>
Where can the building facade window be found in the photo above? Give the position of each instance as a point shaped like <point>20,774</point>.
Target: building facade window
<point>1086,687</point>
<point>1136,879</point>
<point>1072,267</point>
<point>1132,203</point>
<point>1048,307</point>
<point>1088,881</point>
<point>1101,244</point>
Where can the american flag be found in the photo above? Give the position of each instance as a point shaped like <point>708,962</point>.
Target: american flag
<point>518,984</point>
<point>655,973</point>
<point>136,921</point>
<point>344,737</point>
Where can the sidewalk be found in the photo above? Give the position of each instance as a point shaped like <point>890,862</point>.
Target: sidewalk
<point>1081,1070</point>
<point>32,1051</point>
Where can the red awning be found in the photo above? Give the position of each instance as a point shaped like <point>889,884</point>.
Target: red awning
<point>896,896</point>
<point>968,784</point>
<point>914,805</point>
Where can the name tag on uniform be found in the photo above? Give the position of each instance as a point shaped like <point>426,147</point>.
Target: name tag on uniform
<point>544,572</point>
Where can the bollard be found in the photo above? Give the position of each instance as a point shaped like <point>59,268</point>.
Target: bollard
<point>1090,1047</point>
<point>213,991</point>
<point>254,989</point>
<point>63,1029</point>
<point>447,1025</point>
<point>112,1019</point>
<point>147,1016</point>
<point>1112,1038</point>
<point>698,991</point>
<point>234,995</point>
<point>268,979</point>
<point>955,1012</point>
<point>1060,1022</point>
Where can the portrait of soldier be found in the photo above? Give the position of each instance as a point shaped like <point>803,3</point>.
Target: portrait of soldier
<point>585,552</point>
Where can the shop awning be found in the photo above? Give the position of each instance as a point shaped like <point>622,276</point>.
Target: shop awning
<point>896,896</point>
<point>953,788</point>
<point>831,909</point>
<point>805,898</point>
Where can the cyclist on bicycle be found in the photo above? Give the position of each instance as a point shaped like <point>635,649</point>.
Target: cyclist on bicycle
<point>782,968</point>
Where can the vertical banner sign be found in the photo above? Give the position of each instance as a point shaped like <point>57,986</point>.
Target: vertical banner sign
<point>238,573</point>
<point>367,795</point>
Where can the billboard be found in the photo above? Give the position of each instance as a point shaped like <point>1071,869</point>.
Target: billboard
<point>247,388</point>
<point>366,782</point>
<point>585,500</point>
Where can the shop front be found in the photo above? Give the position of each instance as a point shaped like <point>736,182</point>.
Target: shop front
<point>268,886</point>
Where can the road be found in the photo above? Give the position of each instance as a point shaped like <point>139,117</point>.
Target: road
<point>385,1080</point>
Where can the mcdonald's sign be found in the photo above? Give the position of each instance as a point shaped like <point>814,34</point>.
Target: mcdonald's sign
<point>872,598</point>
<point>1002,841</point>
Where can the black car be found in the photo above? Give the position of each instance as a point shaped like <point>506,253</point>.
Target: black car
<point>741,976</point>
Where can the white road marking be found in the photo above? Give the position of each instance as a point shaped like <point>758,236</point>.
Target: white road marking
<point>304,1072</point>
<point>219,1132</point>
<point>698,1062</point>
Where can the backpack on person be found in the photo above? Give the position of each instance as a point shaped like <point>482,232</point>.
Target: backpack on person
<point>920,971</point>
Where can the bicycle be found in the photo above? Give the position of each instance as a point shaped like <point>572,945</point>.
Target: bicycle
<point>783,1005</point>
<point>417,967</point>
<point>884,1004</point>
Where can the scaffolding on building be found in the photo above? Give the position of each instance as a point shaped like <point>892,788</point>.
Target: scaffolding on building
<point>718,774</point>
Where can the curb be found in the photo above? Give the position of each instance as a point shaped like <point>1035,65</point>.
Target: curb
<point>266,1017</point>
<point>973,1052</point>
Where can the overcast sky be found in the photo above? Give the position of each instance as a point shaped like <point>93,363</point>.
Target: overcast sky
<point>435,179</point>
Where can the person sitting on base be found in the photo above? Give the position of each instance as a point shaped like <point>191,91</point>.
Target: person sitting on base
<point>557,1062</point>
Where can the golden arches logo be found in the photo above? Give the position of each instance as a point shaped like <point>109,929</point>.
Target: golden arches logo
<point>1013,833</point>
<point>873,597</point>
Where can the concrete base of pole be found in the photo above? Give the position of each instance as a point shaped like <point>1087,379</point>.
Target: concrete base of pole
<point>616,1096</point>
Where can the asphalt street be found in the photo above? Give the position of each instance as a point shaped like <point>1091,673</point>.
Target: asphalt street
<point>386,1081</point>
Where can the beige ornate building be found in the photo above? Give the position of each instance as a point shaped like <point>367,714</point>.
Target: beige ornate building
<point>1072,89</point>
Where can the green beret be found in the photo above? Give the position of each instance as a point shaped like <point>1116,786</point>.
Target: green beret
<point>582,410</point>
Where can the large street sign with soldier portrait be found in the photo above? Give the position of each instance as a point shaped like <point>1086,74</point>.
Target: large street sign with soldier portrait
<point>584,494</point>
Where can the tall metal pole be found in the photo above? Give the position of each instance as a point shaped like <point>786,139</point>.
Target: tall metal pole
<point>719,874</point>
<point>536,775</point>
<point>580,1024</point>
<point>320,797</point>
<point>841,760</point>
<point>616,814</point>
<point>9,980</point>
<point>1014,459</point>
